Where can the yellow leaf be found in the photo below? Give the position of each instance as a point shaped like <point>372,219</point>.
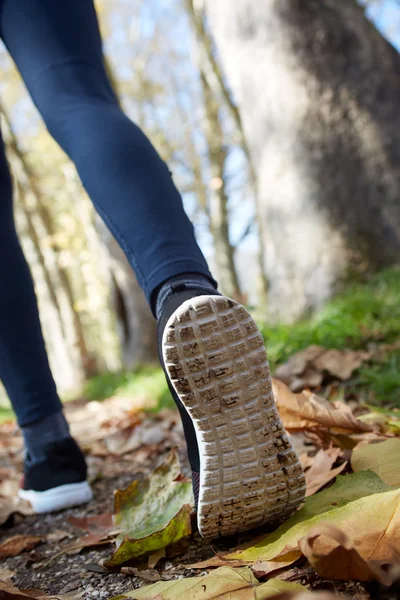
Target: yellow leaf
<point>221,583</point>
<point>382,458</point>
<point>361,504</point>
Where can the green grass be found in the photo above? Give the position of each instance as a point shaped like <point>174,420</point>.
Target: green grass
<point>6,414</point>
<point>365,313</point>
<point>382,380</point>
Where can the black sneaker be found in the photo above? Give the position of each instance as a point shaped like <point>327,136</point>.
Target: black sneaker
<point>57,482</point>
<point>248,473</point>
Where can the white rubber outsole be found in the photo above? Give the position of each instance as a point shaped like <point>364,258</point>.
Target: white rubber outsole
<point>250,474</point>
<point>58,498</point>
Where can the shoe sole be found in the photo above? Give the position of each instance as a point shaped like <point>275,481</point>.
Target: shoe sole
<point>58,498</point>
<point>250,474</point>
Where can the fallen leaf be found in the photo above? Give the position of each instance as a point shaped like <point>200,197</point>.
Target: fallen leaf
<point>361,504</point>
<point>308,596</point>
<point>97,523</point>
<point>6,575</point>
<point>306,411</point>
<point>10,592</point>
<point>57,536</point>
<point>145,574</point>
<point>214,562</point>
<point>308,367</point>
<point>15,505</point>
<point>333,556</point>
<point>132,547</point>
<point>13,546</point>
<point>382,458</point>
<point>221,583</point>
<point>129,439</point>
<point>87,541</point>
<point>341,363</point>
<point>266,567</point>
<point>260,569</point>
<point>321,471</point>
<point>101,530</point>
<point>155,557</point>
<point>152,513</point>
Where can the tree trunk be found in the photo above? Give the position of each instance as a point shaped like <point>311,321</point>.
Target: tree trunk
<point>218,205</point>
<point>214,77</point>
<point>136,325</point>
<point>319,91</point>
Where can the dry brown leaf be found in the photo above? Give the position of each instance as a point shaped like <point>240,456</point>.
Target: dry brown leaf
<point>332,554</point>
<point>154,557</point>
<point>98,523</point>
<point>131,438</point>
<point>260,568</point>
<point>215,562</point>
<point>10,592</point>
<point>87,541</point>
<point>57,536</point>
<point>308,367</point>
<point>11,506</point>
<point>319,482</point>
<point>13,546</point>
<point>6,575</point>
<point>341,363</point>
<point>267,567</point>
<point>307,596</point>
<point>321,471</point>
<point>307,411</point>
<point>150,575</point>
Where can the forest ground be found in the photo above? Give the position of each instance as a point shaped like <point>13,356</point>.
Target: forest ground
<point>126,427</point>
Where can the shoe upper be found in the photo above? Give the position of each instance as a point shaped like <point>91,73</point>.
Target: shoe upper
<point>64,464</point>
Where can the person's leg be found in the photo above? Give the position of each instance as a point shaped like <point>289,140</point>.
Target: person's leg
<point>24,366</point>
<point>214,357</point>
<point>57,48</point>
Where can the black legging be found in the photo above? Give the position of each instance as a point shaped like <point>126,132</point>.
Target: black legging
<point>57,48</point>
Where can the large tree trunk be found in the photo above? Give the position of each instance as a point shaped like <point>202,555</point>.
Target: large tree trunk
<point>319,93</point>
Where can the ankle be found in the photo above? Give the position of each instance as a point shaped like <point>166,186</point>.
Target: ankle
<point>183,287</point>
<point>38,435</point>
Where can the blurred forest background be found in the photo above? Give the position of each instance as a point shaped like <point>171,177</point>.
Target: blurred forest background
<point>280,121</point>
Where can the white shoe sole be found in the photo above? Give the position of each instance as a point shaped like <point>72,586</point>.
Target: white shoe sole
<point>250,474</point>
<point>58,498</point>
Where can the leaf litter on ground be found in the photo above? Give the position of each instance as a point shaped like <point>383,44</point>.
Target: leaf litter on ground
<point>304,413</point>
<point>224,582</point>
